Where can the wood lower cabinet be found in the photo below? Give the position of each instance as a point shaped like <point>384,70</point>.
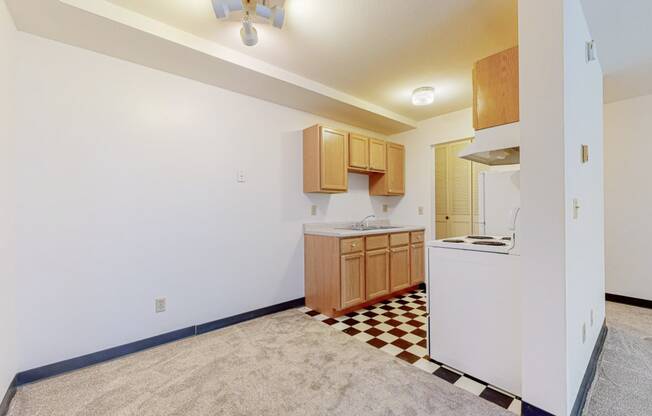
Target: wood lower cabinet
<point>417,264</point>
<point>417,258</point>
<point>343,274</point>
<point>377,279</point>
<point>352,287</point>
<point>399,268</point>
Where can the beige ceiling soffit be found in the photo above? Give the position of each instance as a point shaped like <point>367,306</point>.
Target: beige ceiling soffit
<point>264,81</point>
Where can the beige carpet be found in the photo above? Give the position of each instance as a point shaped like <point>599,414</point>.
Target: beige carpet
<point>283,364</point>
<point>623,382</point>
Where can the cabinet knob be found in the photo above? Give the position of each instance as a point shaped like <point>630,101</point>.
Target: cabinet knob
<point>447,217</point>
<point>354,245</point>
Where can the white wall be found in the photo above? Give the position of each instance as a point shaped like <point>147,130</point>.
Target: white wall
<point>419,174</point>
<point>8,356</point>
<point>628,144</point>
<point>127,192</point>
<point>585,268</point>
<point>562,258</point>
<point>542,205</point>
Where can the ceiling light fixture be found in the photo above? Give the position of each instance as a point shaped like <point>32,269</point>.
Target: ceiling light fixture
<point>423,96</point>
<point>253,11</point>
<point>248,32</point>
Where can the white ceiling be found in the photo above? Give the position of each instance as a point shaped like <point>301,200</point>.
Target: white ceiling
<point>622,30</point>
<point>375,50</point>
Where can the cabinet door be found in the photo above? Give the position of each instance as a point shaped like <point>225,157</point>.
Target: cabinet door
<point>459,192</point>
<point>352,280</point>
<point>441,192</point>
<point>377,273</point>
<point>358,152</point>
<point>396,168</point>
<point>333,160</point>
<point>399,268</point>
<point>417,265</point>
<point>377,155</point>
<point>495,90</point>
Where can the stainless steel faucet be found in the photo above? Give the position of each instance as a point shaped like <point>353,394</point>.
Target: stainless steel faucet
<point>363,223</point>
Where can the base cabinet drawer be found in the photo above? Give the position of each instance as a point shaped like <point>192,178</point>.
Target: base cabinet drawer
<point>377,273</point>
<point>352,277</point>
<point>351,245</point>
<point>399,268</point>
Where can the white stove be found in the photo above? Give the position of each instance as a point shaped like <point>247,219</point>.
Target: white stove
<point>491,244</point>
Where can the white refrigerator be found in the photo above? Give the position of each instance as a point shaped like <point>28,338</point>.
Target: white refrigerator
<point>499,194</point>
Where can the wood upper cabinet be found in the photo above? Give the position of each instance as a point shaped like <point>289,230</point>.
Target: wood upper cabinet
<point>377,269</point>
<point>325,160</point>
<point>367,155</point>
<point>358,152</point>
<point>495,90</point>
<point>377,155</point>
<point>392,182</point>
<point>352,275</point>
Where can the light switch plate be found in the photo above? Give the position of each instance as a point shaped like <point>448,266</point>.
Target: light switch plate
<point>585,153</point>
<point>241,176</point>
<point>385,207</point>
<point>576,208</point>
<point>313,210</point>
<point>420,210</point>
<point>590,51</point>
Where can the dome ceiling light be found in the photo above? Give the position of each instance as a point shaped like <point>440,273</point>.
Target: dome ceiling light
<point>423,96</point>
<point>250,12</point>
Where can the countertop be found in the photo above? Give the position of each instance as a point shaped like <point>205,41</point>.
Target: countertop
<point>335,229</point>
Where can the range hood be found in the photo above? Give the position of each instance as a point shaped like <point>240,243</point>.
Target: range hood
<point>495,146</point>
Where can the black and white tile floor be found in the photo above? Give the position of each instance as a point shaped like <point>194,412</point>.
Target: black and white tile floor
<point>398,327</point>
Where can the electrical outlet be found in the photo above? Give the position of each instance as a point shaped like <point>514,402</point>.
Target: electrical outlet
<point>241,176</point>
<point>160,304</point>
<point>583,333</point>
<point>385,207</point>
<point>313,210</point>
<point>420,210</point>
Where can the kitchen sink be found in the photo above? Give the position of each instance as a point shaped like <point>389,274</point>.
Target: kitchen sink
<point>368,227</point>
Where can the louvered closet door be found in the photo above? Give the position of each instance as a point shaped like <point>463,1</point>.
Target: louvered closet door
<point>441,191</point>
<point>476,169</point>
<point>459,192</point>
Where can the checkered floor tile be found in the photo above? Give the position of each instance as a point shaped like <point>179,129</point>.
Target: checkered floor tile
<point>398,327</point>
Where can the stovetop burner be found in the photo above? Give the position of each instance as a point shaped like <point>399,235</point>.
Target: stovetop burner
<point>479,237</point>
<point>453,241</point>
<point>489,243</point>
